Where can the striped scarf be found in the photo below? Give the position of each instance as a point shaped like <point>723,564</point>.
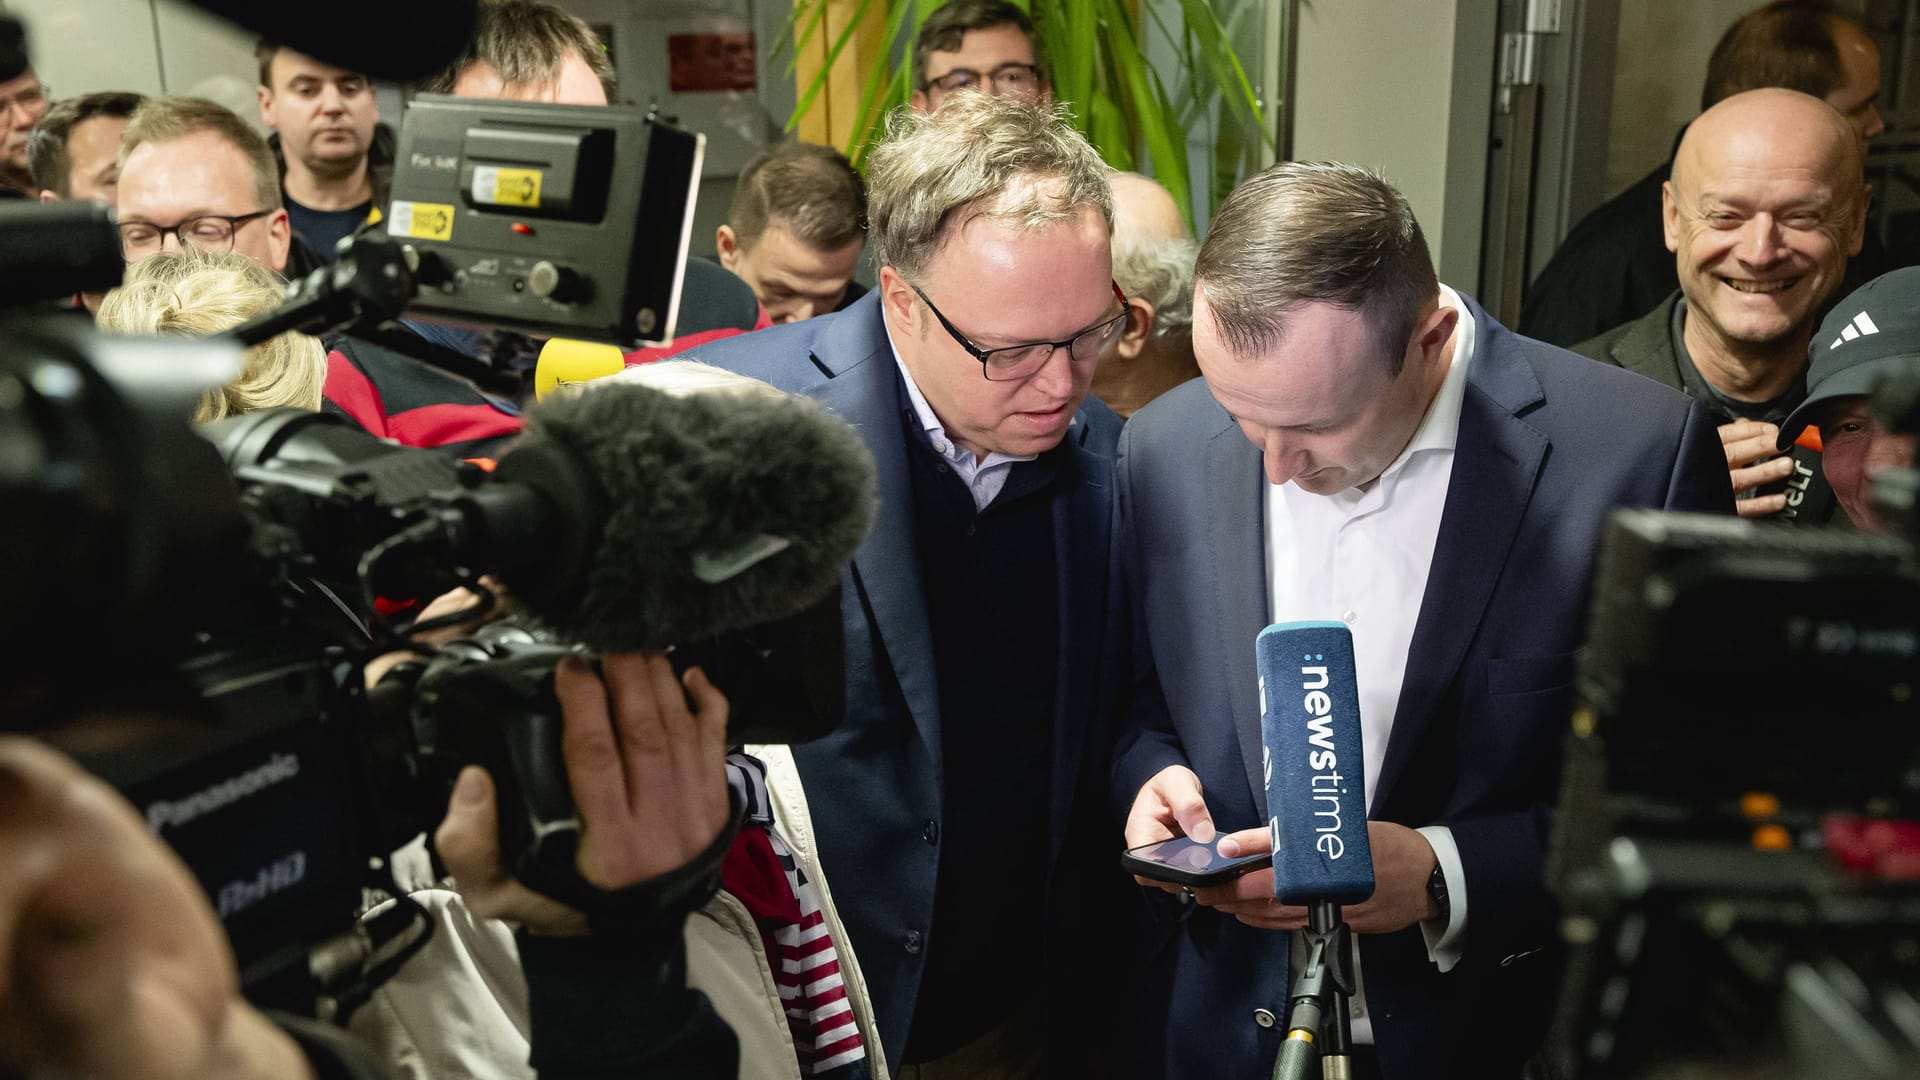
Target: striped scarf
<point>762,874</point>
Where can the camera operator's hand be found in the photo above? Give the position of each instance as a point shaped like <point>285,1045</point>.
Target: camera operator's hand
<point>447,603</point>
<point>648,776</point>
<point>112,963</point>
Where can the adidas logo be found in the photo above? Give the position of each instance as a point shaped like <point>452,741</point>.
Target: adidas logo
<point>1861,325</point>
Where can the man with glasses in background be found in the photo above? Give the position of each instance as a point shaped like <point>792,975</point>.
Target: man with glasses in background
<point>193,174</point>
<point>23,101</point>
<point>957,806</point>
<point>984,45</point>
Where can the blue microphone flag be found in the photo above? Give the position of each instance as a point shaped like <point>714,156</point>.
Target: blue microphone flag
<point>1314,766</point>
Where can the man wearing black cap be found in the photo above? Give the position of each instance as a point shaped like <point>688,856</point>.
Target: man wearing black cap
<point>1873,334</point>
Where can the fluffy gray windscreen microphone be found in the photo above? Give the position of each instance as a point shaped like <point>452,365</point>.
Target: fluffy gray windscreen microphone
<point>720,510</point>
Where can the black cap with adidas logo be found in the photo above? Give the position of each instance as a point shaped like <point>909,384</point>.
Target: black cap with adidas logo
<point>1873,333</point>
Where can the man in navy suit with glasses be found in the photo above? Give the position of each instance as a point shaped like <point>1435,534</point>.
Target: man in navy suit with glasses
<point>959,804</point>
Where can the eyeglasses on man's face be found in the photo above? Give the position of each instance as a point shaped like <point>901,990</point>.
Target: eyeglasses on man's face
<point>207,233</point>
<point>32,102</point>
<point>1012,79</point>
<point>1015,362</point>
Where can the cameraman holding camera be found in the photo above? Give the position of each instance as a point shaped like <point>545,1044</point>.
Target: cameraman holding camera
<point>112,963</point>
<point>647,772</point>
<point>767,946</point>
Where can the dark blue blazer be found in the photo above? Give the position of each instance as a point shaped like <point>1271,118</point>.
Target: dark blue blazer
<point>1549,442</point>
<point>874,784</point>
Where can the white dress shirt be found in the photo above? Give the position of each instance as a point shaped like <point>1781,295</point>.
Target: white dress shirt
<point>1361,556</point>
<point>984,477</point>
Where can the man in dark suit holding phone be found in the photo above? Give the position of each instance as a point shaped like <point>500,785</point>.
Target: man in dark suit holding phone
<point>1436,483</point>
<point>956,803</point>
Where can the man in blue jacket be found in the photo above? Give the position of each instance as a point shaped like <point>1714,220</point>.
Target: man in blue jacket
<point>1370,446</point>
<point>955,802</point>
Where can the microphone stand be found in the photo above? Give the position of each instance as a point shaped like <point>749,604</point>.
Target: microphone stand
<point>1317,1009</point>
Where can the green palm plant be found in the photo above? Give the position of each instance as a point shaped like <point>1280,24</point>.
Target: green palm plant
<point>1097,56</point>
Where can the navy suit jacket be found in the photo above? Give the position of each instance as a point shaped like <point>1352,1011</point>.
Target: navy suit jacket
<point>1548,443</point>
<point>875,782</point>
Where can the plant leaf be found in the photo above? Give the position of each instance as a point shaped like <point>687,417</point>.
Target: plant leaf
<point>1165,142</point>
<point>1228,76</point>
<point>1130,110</point>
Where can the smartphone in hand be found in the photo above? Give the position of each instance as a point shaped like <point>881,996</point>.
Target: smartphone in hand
<point>1188,862</point>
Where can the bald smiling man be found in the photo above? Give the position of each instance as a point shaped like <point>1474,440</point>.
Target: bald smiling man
<point>1765,206</point>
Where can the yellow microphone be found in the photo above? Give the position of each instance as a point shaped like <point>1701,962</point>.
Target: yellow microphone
<point>564,362</point>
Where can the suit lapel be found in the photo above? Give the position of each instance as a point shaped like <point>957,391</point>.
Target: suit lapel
<point>1496,460</point>
<point>1235,486</point>
<point>886,568</point>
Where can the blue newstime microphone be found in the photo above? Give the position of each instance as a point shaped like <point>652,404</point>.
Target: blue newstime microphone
<point>1315,770</point>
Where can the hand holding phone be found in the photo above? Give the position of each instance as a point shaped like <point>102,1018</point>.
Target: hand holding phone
<point>1188,862</point>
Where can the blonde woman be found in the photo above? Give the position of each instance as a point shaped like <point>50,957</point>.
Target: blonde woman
<point>198,295</point>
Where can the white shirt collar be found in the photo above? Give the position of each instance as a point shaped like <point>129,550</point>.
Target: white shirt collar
<point>984,477</point>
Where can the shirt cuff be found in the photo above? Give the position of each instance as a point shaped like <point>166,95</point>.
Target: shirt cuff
<point>1447,942</point>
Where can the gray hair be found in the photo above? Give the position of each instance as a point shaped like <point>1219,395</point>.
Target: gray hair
<point>1159,270</point>
<point>978,156</point>
<point>1314,232</point>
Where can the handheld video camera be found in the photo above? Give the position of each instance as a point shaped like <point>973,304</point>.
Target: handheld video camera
<point>1737,883</point>
<point>191,611</point>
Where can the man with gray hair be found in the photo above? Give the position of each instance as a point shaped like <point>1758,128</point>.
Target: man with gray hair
<point>1436,483</point>
<point>1153,265</point>
<point>957,804</point>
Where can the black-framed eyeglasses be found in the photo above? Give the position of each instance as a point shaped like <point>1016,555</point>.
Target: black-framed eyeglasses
<point>1013,79</point>
<point>32,101</point>
<point>1016,362</point>
<point>209,233</point>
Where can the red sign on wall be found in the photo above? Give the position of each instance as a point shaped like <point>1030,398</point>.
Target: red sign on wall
<point>709,62</point>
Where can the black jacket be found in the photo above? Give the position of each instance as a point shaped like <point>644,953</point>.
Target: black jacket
<point>1645,346</point>
<point>1611,269</point>
<point>301,259</point>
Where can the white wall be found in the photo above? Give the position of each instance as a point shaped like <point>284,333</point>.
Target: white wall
<point>169,46</point>
<point>80,47</point>
<point>152,46</point>
<point>1658,72</point>
<point>1658,68</point>
<point>1374,86</point>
